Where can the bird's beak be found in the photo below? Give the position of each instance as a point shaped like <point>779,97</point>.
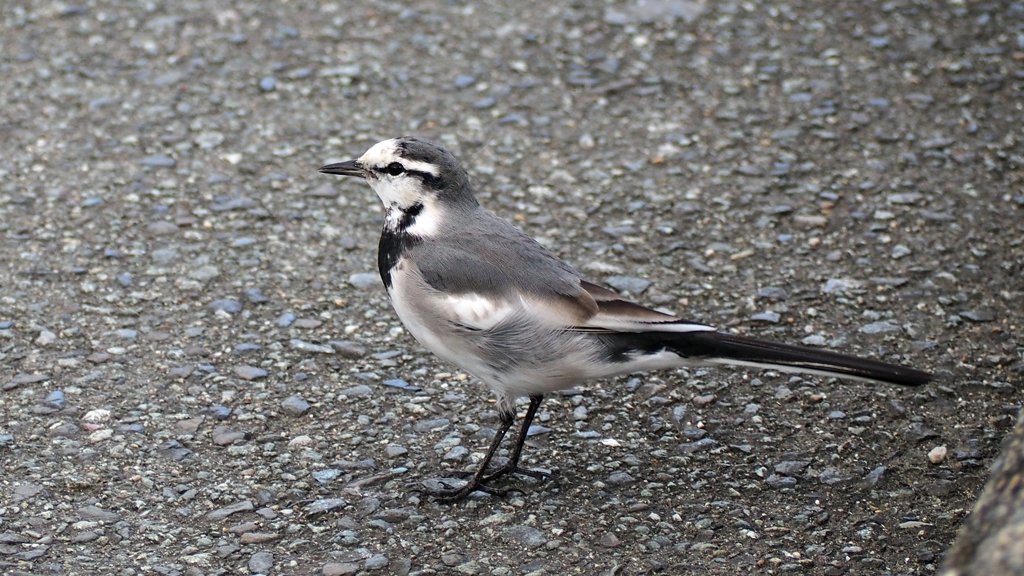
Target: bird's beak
<point>347,168</point>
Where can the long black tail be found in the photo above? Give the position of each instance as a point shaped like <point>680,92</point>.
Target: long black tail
<point>723,348</point>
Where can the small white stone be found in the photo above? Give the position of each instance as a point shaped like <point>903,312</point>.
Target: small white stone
<point>937,454</point>
<point>101,435</point>
<point>97,415</point>
<point>299,441</point>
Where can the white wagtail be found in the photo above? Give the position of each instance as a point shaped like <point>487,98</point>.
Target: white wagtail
<point>481,294</point>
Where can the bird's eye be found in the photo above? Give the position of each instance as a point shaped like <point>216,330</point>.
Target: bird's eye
<point>395,168</point>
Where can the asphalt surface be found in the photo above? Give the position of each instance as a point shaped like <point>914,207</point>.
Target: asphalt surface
<point>200,372</point>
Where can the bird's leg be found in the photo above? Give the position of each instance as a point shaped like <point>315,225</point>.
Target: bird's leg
<point>512,466</point>
<point>480,479</point>
<point>476,482</point>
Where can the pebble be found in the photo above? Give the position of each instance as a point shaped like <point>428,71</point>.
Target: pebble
<point>620,479</point>
<point>356,391</point>
<point>45,338</point>
<point>254,295</point>
<point>97,415</point>
<point>222,513</point>
<point>609,540</point>
<point>526,535</point>
<point>304,346</point>
<point>401,384</point>
<point>268,83</point>
<point>284,320</point>
<point>245,347</point>
<point>937,455</point>
<point>223,436</point>
<point>93,512</point>
<point>703,399</point>
<point>246,372</point>
<point>100,435</point>
<point>323,505</point>
<point>204,273</point>
<point>229,305</point>
<point>158,161</point>
<point>258,537</point>
<point>457,453</point>
<point>261,562</point>
<point>326,475</point>
<point>340,569</point>
<point>979,315</point>
<point>776,481</point>
<point>841,285</point>
<point>880,327</point>
<point>218,411</point>
<point>463,80</point>
<point>55,399</point>
<point>771,317</point>
<point>295,405</point>
<point>430,425</point>
<point>772,293</point>
<point>875,475</point>
<point>364,280</point>
<point>814,340</point>
<point>376,562</point>
<point>630,284</point>
<point>394,451</point>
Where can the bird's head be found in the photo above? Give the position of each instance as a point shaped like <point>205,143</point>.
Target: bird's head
<point>409,174</point>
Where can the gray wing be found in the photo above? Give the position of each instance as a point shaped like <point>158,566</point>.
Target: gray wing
<point>491,259</point>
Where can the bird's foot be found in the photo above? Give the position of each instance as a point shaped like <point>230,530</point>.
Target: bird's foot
<point>454,489</point>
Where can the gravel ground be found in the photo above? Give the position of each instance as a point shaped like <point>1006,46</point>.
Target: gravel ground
<point>201,374</point>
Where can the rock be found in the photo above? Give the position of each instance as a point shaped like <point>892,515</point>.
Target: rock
<point>340,569</point>
<point>323,505</point>
<point>841,285</point>
<point>158,161</point>
<point>229,305</point>
<point>609,540</point>
<point>246,372</point>
<point>96,416</point>
<point>630,284</point>
<point>376,562</point>
<point>431,425</point>
<point>791,467</point>
<point>295,405</point>
<point>348,349</point>
<point>937,455</point>
<point>772,293</point>
<point>879,327</point>
<point>98,514</point>
<point>222,513</point>
<point>364,280</point>
<point>979,315</point>
<point>261,562</point>
<point>620,479</point>
<point>526,535</point>
<point>304,346</point>
<point>223,436</point>
<point>161,228</point>
<point>258,537</point>
<point>771,317</point>
<point>356,391</point>
<point>20,379</point>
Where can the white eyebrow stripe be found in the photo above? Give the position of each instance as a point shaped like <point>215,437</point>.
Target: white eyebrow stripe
<point>420,166</point>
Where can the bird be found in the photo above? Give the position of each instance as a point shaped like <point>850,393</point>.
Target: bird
<point>481,294</point>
